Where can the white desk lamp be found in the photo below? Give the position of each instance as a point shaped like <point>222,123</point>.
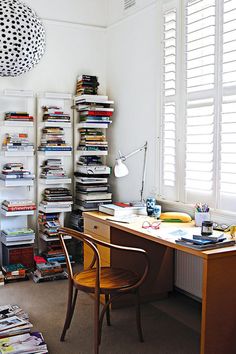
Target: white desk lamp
<point>121,170</point>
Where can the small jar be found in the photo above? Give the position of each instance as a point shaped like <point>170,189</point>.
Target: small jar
<point>207,228</point>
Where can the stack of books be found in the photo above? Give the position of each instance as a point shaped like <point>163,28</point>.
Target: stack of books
<point>200,242</point>
<point>92,187</point>
<point>14,332</point>
<point>87,84</point>
<point>14,272</point>
<point>53,140</point>
<point>49,225</point>
<point>18,117</point>
<point>1,280</point>
<point>14,171</point>
<point>55,114</point>
<point>57,198</point>
<point>18,205</point>
<point>54,253</point>
<point>17,142</point>
<point>48,271</point>
<point>98,112</point>
<point>17,236</point>
<point>53,169</point>
<point>92,139</point>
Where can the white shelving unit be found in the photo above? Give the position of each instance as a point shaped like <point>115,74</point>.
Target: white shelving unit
<point>102,127</point>
<point>64,101</point>
<point>14,100</point>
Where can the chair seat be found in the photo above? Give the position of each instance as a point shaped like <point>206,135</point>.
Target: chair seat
<point>111,279</point>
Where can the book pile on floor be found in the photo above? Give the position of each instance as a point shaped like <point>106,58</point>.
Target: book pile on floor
<point>55,114</point>
<point>92,187</point>
<point>53,169</point>
<point>48,271</point>
<point>18,117</point>
<point>18,205</point>
<point>15,336</point>
<point>14,272</point>
<point>14,171</point>
<point>17,142</point>
<point>56,198</point>
<point>17,236</point>
<point>87,84</point>
<point>53,140</point>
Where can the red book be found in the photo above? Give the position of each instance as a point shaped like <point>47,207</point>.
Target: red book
<point>99,113</point>
<point>21,208</point>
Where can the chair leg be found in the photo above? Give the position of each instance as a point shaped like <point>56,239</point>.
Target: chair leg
<point>73,307</point>
<point>96,324</point>
<point>69,311</point>
<point>138,316</point>
<point>108,310</point>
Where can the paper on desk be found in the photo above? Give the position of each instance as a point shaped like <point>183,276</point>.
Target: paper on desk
<point>168,234</point>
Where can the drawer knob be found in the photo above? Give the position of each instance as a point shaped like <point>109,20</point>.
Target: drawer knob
<point>95,227</point>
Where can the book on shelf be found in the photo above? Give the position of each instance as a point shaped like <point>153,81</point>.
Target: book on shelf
<point>91,98</point>
<point>18,116</point>
<point>17,142</point>
<point>93,196</point>
<point>90,180</point>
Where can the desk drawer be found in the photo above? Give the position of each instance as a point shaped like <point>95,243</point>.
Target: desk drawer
<point>98,228</point>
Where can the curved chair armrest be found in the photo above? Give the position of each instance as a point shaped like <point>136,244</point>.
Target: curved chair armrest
<point>96,256</point>
<point>86,238</point>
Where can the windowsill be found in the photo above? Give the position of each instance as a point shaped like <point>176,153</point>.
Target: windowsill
<point>219,216</point>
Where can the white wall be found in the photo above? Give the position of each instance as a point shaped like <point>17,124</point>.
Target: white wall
<point>132,81</point>
<point>71,49</point>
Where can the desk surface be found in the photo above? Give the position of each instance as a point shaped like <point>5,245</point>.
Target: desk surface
<point>162,235</point>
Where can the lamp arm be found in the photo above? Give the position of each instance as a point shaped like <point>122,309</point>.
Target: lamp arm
<point>124,157</point>
<point>144,171</point>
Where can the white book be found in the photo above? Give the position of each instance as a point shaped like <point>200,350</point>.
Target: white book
<point>92,196</point>
<point>116,210</point>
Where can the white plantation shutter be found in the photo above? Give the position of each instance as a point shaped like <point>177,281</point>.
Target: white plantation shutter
<point>198,155</point>
<point>168,147</point>
<point>228,111</point>
<point>200,87</point>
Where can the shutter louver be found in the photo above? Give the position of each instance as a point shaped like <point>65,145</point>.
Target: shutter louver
<point>200,110</point>
<point>228,111</point>
<point>169,104</point>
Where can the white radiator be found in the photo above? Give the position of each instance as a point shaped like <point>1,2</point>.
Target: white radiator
<point>188,273</point>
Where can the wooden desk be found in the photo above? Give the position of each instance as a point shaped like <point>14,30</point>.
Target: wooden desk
<point>218,324</point>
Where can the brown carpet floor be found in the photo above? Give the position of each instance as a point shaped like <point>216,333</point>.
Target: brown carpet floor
<point>167,329</point>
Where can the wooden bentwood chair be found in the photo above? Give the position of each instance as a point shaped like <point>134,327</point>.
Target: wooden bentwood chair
<point>112,282</point>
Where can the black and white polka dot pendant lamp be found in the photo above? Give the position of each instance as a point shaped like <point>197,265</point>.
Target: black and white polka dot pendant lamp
<point>22,38</point>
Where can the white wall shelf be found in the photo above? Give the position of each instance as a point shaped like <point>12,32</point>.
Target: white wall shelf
<point>17,153</point>
<point>91,153</point>
<point>50,239</point>
<point>17,124</point>
<point>17,213</point>
<point>17,183</point>
<point>64,101</point>
<point>19,189</point>
<point>54,210</point>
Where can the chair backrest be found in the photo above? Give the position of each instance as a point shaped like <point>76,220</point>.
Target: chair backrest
<point>92,243</point>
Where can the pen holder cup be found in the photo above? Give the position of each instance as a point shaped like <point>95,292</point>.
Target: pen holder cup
<point>200,217</point>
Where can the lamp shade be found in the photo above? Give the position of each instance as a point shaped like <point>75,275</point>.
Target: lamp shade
<point>120,169</point>
<point>22,40</point>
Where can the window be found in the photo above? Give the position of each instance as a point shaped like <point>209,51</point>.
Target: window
<point>198,125</point>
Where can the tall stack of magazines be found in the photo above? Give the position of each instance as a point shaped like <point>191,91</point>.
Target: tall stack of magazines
<point>15,335</point>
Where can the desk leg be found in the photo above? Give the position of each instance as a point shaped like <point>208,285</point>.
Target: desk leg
<point>218,328</point>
